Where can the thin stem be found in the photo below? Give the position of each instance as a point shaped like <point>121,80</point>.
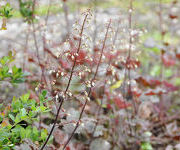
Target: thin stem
<point>48,11</point>
<point>36,43</point>
<point>100,106</point>
<point>65,8</point>
<point>127,73</point>
<point>95,24</point>
<point>109,64</point>
<point>95,74</point>
<point>68,85</point>
<point>129,54</point>
<point>161,114</point>
<point>25,51</point>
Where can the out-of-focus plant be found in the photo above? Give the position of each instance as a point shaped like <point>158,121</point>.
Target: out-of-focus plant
<point>26,10</point>
<point>14,74</point>
<point>5,13</point>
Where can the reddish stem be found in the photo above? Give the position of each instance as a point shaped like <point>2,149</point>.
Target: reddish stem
<point>68,85</point>
<point>95,74</point>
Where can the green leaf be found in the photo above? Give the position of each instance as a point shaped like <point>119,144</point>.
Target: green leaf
<point>1,118</point>
<point>28,132</point>
<point>156,50</point>
<point>155,71</point>
<point>6,11</point>
<point>168,73</point>
<point>4,60</point>
<point>14,69</point>
<point>104,106</point>
<point>146,146</point>
<point>18,118</point>
<point>44,93</point>
<point>23,114</point>
<point>44,133</point>
<point>35,134</point>
<point>22,133</point>
<point>177,81</point>
<point>25,97</point>
<point>5,141</point>
<point>6,148</point>
<point>42,108</point>
<point>12,117</point>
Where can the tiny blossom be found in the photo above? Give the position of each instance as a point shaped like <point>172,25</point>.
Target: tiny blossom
<point>87,70</point>
<point>69,94</point>
<point>134,32</point>
<point>90,59</point>
<point>82,124</point>
<point>62,73</point>
<point>57,54</point>
<point>57,96</point>
<point>51,71</point>
<point>103,57</point>
<point>127,46</point>
<point>113,47</point>
<point>61,5</point>
<point>133,47</point>
<point>135,66</point>
<point>89,38</point>
<point>130,10</point>
<point>133,82</point>
<point>68,114</point>
<point>116,62</point>
<point>135,89</point>
<point>76,54</point>
<point>88,98</point>
<point>93,84</point>
<point>133,39</point>
<point>88,84</point>
<point>57,75</point>
<point>113,71</point>
<point>128,82</point>
<point>114,80</point>
<point>53,82</point>
<point>85,93</point>
<point>62,95</point>
<point>66,54</point>
<point>37,17</point>
<point>72,57</point>
<point>109,82</point>
<point>36,89</point>
<point>74,25</point>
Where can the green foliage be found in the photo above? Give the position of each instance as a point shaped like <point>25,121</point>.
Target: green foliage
<point>26,10</point>
<point>155,71</point>
<point>18,119</point>
<point>177,81</point>
<point>146,146</point>
<point>6,11</point>
<point>14,76</point>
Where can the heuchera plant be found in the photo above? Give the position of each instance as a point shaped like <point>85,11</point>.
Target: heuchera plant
<point>87,86</point>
